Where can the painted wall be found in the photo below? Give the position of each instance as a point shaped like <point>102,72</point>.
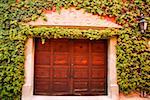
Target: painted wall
<point>73,17</point>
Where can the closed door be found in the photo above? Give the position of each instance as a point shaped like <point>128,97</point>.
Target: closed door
<point>70,67</point>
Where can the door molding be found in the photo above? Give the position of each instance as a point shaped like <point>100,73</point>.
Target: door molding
<point>113,92</point>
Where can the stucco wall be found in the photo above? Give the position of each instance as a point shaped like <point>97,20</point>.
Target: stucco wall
<point>73,17</point>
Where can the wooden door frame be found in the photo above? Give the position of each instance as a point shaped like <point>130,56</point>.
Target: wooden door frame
<point>113,92</point>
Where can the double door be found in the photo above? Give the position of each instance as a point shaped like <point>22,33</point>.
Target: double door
<point>70,67</point>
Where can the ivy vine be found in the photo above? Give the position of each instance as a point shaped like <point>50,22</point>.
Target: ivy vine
<point>133,53</point>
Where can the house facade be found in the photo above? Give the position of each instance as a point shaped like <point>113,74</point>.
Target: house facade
<point>75,67</point>
<point>62,50</point>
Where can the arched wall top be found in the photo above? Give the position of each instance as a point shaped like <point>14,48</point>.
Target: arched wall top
<point>73,17</point>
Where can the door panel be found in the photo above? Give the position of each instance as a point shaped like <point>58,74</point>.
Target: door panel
<point>42,86</point>
<point>80,47</point>
<point>80,86</point>
<point>60,86</point>
<point>61,67</point>
<point>98,46</point>
<point>80,60</point>
<point>80,73</point>
<point>42,58</point>
<point>98,73</point>
<point>70,67</point>
<point>60,45</point>
<point>61,73</point>
<point>98,59</point>
<point>81,67</point>
<point>42,71</point>
<point>61,59</point>
<point>42,47</point>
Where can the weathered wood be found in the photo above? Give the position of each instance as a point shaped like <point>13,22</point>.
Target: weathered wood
<point>70,67</point>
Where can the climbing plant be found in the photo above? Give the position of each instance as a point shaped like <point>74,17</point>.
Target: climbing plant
<point>133,53</point>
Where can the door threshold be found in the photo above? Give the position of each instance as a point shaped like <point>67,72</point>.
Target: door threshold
<point>38,97</point>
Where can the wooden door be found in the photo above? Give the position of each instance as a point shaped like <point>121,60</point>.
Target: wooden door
<point>60,67</point>
<point>70,67</point>
<point>80,67</point>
